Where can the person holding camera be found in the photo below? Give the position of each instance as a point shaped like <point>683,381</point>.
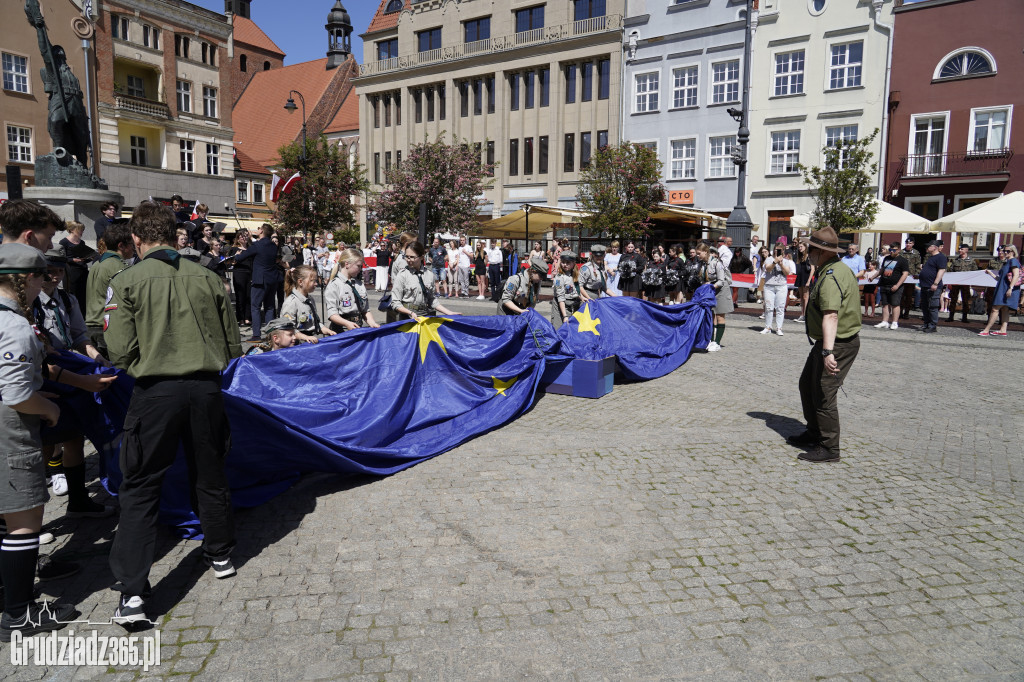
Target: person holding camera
<point>776,289</point>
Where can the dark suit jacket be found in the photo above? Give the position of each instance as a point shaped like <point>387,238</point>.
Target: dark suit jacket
<point>263,253</point>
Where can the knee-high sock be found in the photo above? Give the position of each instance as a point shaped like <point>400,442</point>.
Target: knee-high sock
<point>719,333</point>
<point>77,494</point>
<point>18,555</point>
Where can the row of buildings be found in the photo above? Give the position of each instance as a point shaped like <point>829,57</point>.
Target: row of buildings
<point>190,101</point>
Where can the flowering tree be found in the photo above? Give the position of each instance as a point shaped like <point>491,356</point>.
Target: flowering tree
<point>843,193</point>
<point>449,178</point>
<point>322,198</point>
<point>620,189</point>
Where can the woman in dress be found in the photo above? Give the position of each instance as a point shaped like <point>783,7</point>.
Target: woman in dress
<point>79,254</point>
<point>480,270</point>
<point>674,274</point>
<point>241,278</point>
<point>631,264</point>
<point>611,266</point>
<point>1007,296</point>
<point>653,278</point>
<point>412,295</point>
<point>717,275</point>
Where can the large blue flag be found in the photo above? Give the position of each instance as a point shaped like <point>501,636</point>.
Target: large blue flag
<point>650,340</point>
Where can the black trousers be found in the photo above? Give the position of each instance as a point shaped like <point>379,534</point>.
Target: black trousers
<point>242,280</point>
<point>494,275</point>
<point>818,391</point>
<point>165,413</point>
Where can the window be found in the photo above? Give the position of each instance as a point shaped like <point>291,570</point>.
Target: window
<point>588,9</point>
<point>257,192</point>
<point>989,130</point>
<point>151,36</point>
<point>478,96</point>
<point>529,19</point>
<point>181,47</point>
<point>720,164</point>
<point>837,136</point>
<point>119,27</point>
<point>429,39</point>
<point>387,110</point>
<point>789,73</point>
<point>528,156</point>
<point>602,139</point>
<point>513,91</point>
<point>477,29</point>
<point>569,156</point>
<point>542,155</point>
<point>570,84</point>
<point>490,157</point>
<point>544,81</point>
<point>212,159</point>
<point>785,152</point>
<point>417,105</point>
<point>816,6</point>
<point>387,49</point>
<point>513,157</point>
<point>243,191</point>
<point>646,92</point>
<point>398,108</point>
<point>442,102</point>
<point>186,149</point>
<point>725,82</point>
<point>585,149</point>
<point>398,158</point>
<point>929,145</point>
<point>684,159</point>
<point>528,85</point>
<point>375,103</point>
<point>604,74</point>
<point>393,6</point>
<point>15,72</point>
<point>490,94</point>
<point>587,78</point>
<point>464,99</point>
<point>137,147</point>
<point>209,102</point>
<point>376,168</point>
<point>684,87</point>
<point>967,63</point>
<point>243,63</point>
<point>19,144</point>
<point>266,66</point>
<point>430,104</point>
<point>136,86</point>
<point>387,164</point>
<point>847,60</point>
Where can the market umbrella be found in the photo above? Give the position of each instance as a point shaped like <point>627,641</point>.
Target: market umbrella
<point>888,219</point>
<point>1002,214</point>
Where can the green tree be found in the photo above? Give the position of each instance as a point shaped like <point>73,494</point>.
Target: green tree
<point>843,196</point>
<point>322,198</point>
<point>449,178</point>
<point>620,189</point>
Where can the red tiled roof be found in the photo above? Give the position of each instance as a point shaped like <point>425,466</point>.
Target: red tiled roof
<point>381,21</point>
<point>247,32</point>
<point>247,164</point>
<point>347,117</point>
<point>261,123</point>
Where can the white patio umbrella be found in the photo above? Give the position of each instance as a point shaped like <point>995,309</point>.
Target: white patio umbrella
<point>1002,214</point>
<point>888,219</point>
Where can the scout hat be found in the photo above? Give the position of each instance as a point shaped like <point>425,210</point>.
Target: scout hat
<point>539,265</point>
<point>20,259</point>
<point>568,255</point>
<point>279,324</point>
<point>56,256</point>
<point>598,250</point>
<point>824,239</point>
<point>190,253</point>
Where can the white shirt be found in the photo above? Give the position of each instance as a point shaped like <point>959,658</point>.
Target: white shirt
<point>465,256</point>
<point>494,256</point>
<point>725,254</point>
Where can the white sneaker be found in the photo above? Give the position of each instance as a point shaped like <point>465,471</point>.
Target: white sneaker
<point>766,330</point>
<point>761,316</point>
<point>479,298</point>
<point>60,484</point>
<point>894,325</point>
<point>799,319</point>
<point>882,325</point>
<point>46,538</point>
<point>713,347</point>
<point>779,332</point>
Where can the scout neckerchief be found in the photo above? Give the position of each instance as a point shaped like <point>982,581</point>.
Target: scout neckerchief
<point>423,288</point>
<point>62,326</point>
<point>359,301</point>
<point>316,318</point>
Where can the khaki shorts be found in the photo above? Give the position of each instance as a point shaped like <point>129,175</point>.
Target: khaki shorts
<point>22,481</point>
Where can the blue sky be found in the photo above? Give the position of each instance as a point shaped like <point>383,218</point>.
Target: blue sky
<point>297,26</point>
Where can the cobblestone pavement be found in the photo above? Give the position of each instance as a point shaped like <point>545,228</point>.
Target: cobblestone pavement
<point>665,531</point>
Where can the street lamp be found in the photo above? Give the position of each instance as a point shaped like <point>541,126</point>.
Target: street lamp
<point>526,207</point>
<point>290,107</point>
<point>739,225</point>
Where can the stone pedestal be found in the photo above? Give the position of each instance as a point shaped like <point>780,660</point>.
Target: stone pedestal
<point>75,203</point>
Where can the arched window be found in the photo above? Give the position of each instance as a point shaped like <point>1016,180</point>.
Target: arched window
<point>393,6</point>
<point>816,6</point>
<point>968,61</point>
<point>266,66</point>
<point>243,63</point>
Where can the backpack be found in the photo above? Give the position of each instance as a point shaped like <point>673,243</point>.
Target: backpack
<point>627,268</point>
<point>652,276</point>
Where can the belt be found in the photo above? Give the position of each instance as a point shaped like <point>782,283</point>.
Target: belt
<point>194,376</point>
<point>848,338</point>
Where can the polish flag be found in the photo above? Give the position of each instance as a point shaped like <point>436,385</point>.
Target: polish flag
<point>195,216</point>
<point>277,187</point>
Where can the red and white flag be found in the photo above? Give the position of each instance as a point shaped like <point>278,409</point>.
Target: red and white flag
<point>195,215</point>
<point>279,187</point>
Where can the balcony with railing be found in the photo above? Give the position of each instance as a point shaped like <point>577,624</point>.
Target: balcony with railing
<point>537,36</point>
<point>950,164</point>
<point>141,105</point>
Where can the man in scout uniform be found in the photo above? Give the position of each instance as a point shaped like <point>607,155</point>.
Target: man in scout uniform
<point>120,247</point>
<point>519,289</point>
<point>280,333</point>
<point>961,263</point>
<point>913,257</point>
<point>833,324</point>
<point>593,278</point>
<point>170,325</point>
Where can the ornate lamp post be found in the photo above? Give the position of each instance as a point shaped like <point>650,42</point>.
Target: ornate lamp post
<point>739,225</point>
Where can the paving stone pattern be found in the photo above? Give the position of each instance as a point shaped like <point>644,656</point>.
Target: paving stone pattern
<point>665,531</point>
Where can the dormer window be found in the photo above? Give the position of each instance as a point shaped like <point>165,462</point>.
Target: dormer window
<point>965,63</point>
<point>393,6</point>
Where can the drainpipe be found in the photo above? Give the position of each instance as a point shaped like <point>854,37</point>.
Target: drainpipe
<point>876,6</point>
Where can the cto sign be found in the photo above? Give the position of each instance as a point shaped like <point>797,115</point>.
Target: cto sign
<point>682,197</point>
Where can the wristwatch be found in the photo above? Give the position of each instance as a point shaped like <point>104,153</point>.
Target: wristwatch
<point>825,352</point>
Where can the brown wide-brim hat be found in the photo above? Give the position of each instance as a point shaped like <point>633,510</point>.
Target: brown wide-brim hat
<point>825,239</point>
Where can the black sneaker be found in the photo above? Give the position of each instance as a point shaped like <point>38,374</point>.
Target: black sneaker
<point>89,510</point>
<point>805,438</point>
<point>819,455</point>
<point>222,568</point>
<point>130,610</point>
<point>39,617</point>
<point>49,568</point>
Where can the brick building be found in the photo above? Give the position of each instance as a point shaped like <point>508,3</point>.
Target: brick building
<point>252,50</point>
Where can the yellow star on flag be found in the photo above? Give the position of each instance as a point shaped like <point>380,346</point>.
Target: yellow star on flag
<point>587,323</point>
<point>501,384</point>
<point>427,330</point>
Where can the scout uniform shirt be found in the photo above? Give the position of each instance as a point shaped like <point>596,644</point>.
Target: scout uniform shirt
<point>21,375</point>
<point>96,287</point>
<point>593,280</point>
<point>565,291</point>
<point>169,317</point>
<point>414,291</point>
<point>347,298</point>
<point>300,310</point>
<point>519,290</point>
<point>62,321</point>
<point>835,288</point>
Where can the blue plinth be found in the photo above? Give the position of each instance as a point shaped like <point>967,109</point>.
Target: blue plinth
<point>580,378</point>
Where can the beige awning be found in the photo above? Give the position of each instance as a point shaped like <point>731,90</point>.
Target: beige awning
<point>1002,214</point>
<point>672,212</point>
<point>542,220</point>
<point>889,219</point>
